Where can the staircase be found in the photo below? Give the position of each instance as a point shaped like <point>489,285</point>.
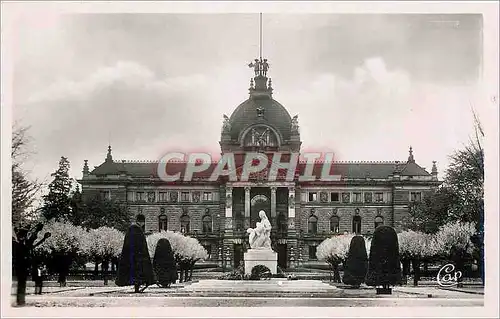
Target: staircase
<point>259,288</point>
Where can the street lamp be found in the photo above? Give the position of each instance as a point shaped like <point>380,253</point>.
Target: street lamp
<point>292,257</point>
<point>228,256</point>
<point>220,258</point>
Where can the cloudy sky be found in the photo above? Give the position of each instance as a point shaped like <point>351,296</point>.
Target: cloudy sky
<point>364,86</point>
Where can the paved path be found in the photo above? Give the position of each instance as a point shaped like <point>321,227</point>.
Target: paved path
<point>273,293</point>
<point>63,301</point>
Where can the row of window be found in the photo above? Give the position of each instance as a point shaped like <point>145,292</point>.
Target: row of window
<point>171,196</point>
<point>357,197</point>
<point>185,221</point>
<point>345,197</point>
<point>312,224</point>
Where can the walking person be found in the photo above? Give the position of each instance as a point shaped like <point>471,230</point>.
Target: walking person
<point>39,278</point>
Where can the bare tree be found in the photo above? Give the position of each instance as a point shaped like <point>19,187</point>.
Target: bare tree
<point>24,189</point>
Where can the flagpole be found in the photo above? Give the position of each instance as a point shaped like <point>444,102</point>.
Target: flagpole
<point>260,46</point>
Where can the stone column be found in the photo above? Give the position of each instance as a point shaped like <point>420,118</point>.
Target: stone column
<point>228,229</point>
<point>247,207</point>
<point>229,208</point>
<point>292,234</point>
<point>291,202</point>
<point>273,207</point>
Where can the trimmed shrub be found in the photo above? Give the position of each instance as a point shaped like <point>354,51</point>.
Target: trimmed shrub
<point>454,242</point>
<point>187,251</point>
<point>334,251</point>
<point>384,268</point>
<point>135,266</point>
<point>164,263</point>
<point>415,247</point>
<point>61,248</point>
<point>356,265</point>
<point>102,245</point>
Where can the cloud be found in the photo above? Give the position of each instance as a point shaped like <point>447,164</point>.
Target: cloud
<point>378,113</point>
<point>365,87</point>
<point>124,102</point>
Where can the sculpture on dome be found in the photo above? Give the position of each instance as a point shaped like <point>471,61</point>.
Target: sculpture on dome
<point>256,65</point>
<point>260,67</point>
<point>226,126</point>
<point>265,67</point>
<point>260,138</point>
<point>295,123</point>
<point>260,236</point>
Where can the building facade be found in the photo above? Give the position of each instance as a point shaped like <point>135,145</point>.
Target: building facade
<point>302,212</point>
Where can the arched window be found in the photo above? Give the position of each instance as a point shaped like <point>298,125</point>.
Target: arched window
<point>185,223</point>
<point>379,221</point>
<point>207,224</point>
<point>260,135</point>
<point>334,223</point>
<point>312,224</point>
<point>140,219</point>
<point>282,224</point>
<point>162,222</point>
<point>356,224</point>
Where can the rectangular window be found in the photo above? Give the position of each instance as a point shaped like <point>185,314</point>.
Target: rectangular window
<point>346,197</point>
<point>313,197</point>
<point>163,196</point>
<point>368,197</point>
<point>379,197</point>
<point>334,197</point>
<point>151,197</point>
<point>140,196</point>
<point>185,196</point>
<point>415,196</point>
<point>356,197</point>
<point>208,197</point>
<point>312,252</point>
<point>130,196</point>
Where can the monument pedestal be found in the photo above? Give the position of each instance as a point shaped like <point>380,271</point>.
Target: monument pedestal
<point>265,257</point>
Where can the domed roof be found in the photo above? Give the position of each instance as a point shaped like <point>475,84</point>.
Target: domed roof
<point>272,113</point>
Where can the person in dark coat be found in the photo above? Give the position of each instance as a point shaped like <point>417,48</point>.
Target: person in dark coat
<point>38,278</point>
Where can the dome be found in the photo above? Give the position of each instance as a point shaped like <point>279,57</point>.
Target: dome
<point>260,122</point>
<point>264,111</point>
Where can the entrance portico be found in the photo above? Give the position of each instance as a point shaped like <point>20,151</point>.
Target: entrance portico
<point>246,199</point>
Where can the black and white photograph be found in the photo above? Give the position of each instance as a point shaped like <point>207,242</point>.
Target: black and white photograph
<point>295,160</point>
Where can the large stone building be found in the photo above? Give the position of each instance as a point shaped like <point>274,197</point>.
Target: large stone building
<point>302,213</point>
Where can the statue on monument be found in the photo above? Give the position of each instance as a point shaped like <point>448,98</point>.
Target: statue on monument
<point>226,126</point>
<point>295,123</point>
<point>260,236</point>
<point>256,65</point>
<point>265,67</point>
<point>260,67</point>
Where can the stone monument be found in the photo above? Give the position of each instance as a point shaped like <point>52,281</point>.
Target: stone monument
<point>260,252</point>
